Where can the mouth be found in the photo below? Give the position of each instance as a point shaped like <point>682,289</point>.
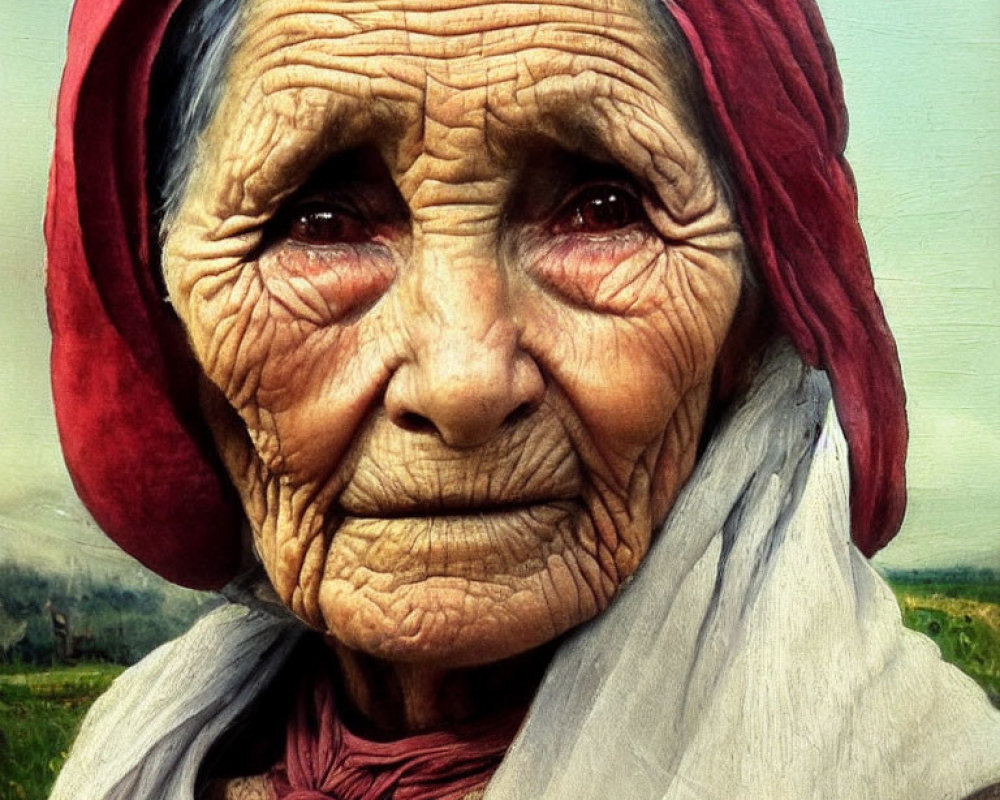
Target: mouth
<point>453,510</point>
<point>475,542</point>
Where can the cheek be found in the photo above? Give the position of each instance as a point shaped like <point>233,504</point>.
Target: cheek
<point>292,341</point>
<point>633,369</point>
<point>288,398</point>
<point>314,397</point>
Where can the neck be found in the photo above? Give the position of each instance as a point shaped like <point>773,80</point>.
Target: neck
<point>389,699</point>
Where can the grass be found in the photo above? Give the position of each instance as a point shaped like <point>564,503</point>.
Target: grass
<point>40,712</point>
<point>964,622</point>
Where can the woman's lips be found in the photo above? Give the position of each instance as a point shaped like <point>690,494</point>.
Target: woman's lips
<point>476,543</point>
<point>468,494</point>
<point>413,509</point>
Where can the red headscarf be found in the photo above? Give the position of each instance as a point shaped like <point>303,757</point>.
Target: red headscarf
<point>124,382</point>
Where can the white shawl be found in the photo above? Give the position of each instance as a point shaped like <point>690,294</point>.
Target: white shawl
<point>755,655</point>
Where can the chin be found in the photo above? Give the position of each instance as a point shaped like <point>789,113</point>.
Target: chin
<point>451,622</point>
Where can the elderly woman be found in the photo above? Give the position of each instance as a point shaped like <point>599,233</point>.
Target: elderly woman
<point>479,312</point>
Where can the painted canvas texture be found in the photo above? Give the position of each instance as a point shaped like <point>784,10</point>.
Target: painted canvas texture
<point>378,374</point>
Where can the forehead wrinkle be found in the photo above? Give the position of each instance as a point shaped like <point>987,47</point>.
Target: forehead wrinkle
<point>505,111</point>
<point>596,116</point>
<point>349,37</point>
<point>566,57</point>
<point>396,29</point>
<point>298,18</point>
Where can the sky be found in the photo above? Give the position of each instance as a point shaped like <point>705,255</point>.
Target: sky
<point>923,87</point>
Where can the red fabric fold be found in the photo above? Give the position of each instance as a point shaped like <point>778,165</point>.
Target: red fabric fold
<point>771,78</point>
<point>324,760</point>
<point>123,382</point>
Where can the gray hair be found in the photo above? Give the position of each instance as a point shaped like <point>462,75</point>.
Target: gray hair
<point>185,88</point>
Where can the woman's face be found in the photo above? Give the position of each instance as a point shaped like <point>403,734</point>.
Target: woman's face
<point>458,274</point>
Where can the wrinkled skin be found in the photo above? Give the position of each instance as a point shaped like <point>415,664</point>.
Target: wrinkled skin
<point>458,274</point>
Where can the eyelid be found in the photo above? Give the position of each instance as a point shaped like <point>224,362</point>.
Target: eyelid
<point>372,202</point>
<point>334,202</point>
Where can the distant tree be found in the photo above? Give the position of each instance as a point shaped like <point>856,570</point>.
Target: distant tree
<point>12,631</point>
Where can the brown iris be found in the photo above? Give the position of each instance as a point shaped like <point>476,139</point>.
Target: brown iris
<point>320,223</point>
<point>599,209</point>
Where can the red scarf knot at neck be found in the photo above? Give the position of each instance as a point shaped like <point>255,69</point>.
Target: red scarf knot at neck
<point>326,761</point>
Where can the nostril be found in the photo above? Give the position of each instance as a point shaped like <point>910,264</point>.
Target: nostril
<point>519,413</point>
<point>415,423</point>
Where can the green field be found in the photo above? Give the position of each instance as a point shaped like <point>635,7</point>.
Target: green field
<point>40,710</point>
<point>963,619</point>
<point>39,714</point>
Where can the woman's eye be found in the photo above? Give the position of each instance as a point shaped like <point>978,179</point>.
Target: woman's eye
<point>326,224</point>
<point>599,209</point>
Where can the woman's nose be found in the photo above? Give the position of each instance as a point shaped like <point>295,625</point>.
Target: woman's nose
<point>466,376</point>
